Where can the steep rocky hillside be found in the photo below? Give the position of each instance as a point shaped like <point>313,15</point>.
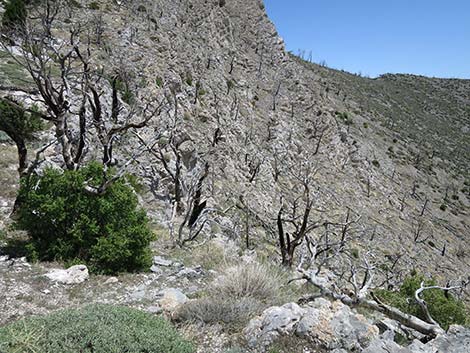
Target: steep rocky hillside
<point>384,162</point>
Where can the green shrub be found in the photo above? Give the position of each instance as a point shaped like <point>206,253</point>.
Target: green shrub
<point>123,88</point>
<point>94,328</point>
<point>345,118</point>
<point>15,122</point>
<point>94,5</point>
<point>106,232</point>
<point>15,14</point>
<point>75,3</point>
<point>189,79</point>
<point>443,307</point>
<point>355,253</point>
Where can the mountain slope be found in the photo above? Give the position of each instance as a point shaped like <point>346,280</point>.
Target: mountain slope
<point>390,153</point>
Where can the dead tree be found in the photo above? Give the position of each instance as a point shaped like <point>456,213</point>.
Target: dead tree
<point>73,94</point>
<point>39,55</point>
<point>185,171</point>
<point>417,232</point>
<point>275,94</point>
<point>360,294</point>
<point>316,131</point>
<point>195,207</point>
<point>294,217</point>
<point>109,125</point>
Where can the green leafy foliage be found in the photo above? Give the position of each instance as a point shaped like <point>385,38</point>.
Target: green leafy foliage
<point>94,328</point>
<point>443,307</point>
<point>126,93</point>
<point>15,14</point>
<point>106,232</point>
<point>94,5</point>
<point>345,118</point>
<point>15,122</point>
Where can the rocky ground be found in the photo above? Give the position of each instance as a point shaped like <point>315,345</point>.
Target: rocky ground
<point>321,326</point>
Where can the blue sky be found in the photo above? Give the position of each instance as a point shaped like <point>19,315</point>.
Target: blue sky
<point>425,37</point>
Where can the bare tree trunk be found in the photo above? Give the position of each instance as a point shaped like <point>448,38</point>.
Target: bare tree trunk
<point>61,134</point>
<point>22,154</point>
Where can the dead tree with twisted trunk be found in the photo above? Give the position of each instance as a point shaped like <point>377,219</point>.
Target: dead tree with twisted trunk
<point>179,176</point>
<point>74,94</point>
<point>357,290</point>
<point>294,221</point>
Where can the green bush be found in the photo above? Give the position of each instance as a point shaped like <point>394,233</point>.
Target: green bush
<point>15,14</point>
<point>66,223</point>
<point>444,308</point>
<point>16,123</point>
<point>123,88</point>
<point>94,328</point>
<point>344,116</point>
<point>94,5</point>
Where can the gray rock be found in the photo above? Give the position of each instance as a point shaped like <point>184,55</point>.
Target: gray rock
<point>156,269</point>
<point>177,265</point>
<point>171,299</point>
<point>154,310</point>
<point>111,280</point>
<point>380,345</point>
<point>190,273</point>
<point>272,323</point>
<point>73,275</point>
<point>160,261</point>
<point>138,295</point>
<point>457,340</point>
<point>332,325</point>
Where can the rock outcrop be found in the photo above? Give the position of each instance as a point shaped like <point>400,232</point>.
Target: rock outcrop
<point>456,340</point>
<point>73,275</point>
<point>328,324</point>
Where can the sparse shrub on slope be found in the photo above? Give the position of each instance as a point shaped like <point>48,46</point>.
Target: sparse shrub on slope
<point>241,292</point>
<point>13,120</point>
<point>19,126</point>
<point>66,223</point>
<point>249,280</point>
<point>220,310</point>
<point>94,328</point>
<point>443,307</point>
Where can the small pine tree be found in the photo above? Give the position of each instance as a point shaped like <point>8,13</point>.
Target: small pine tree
<point>20,126</point>
<point>15,14</point>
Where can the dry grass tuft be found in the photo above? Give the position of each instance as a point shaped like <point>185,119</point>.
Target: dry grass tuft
<point>239,294</point>
<point>219,310</point>
<point>249,281</point>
